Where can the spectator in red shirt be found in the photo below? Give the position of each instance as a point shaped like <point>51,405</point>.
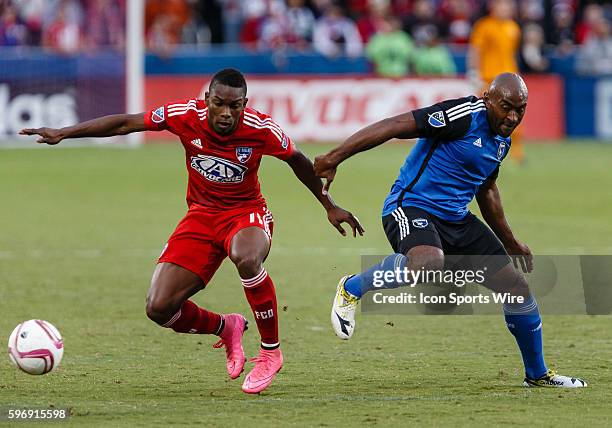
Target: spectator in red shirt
<point>402,8</point>
<point>457,15</point>
<point>30,13</point>
<point>593,14</point>
<point>373,20</point>
<point>255,14</point>
<point>359,7</point>
<point>64,35</point>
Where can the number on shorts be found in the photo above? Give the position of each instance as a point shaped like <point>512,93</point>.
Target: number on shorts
<point>255,216</point>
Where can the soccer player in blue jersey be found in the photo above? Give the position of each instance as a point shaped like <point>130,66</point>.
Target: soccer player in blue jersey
<point>461,144</point>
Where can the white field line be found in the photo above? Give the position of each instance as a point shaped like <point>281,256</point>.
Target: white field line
<point>93,253</point>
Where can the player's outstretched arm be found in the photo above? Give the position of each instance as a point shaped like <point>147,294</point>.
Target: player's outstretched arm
<point>489,202</point>
<point>303,169</point>
<point>105,126</point>
<point>400,126</point>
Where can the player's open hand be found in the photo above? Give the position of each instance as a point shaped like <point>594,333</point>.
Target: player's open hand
<point>521,254</point>
<point>325,168</point>
<point>337,216</point>
<point>49,136</point>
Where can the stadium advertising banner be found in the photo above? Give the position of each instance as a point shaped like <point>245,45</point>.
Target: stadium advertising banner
<point>54,91</point>
<point>330,109</point>
<point>23,105</point>
<point>59,103</point>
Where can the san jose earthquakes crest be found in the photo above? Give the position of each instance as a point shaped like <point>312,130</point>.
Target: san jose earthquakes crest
<point>421,223</point>
<point>436,119</point>
<point>501,149</point>
<point>243,153</point>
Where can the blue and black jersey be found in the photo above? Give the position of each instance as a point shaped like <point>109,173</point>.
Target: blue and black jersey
<point>456,153</point>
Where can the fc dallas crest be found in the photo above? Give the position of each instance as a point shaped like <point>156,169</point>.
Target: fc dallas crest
<point>243,153</point>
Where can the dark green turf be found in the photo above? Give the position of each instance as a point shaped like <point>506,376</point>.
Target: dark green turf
<point>81,229</point>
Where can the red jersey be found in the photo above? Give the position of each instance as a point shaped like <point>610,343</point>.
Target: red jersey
<point>222,168</point>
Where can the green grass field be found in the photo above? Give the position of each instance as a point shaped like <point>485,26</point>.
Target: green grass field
<point>81,229</point>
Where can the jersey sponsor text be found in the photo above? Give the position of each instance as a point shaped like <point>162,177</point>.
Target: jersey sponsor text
<point>218,170</point>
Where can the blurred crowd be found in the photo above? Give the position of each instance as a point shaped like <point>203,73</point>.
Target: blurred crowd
<point>65,26</point>
<point>397,35</point>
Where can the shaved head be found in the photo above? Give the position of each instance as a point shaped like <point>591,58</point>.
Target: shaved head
<point>506,101</point>
<point>510,85</point>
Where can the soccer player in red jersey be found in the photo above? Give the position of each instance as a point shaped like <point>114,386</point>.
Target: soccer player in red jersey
<point>224,142</point>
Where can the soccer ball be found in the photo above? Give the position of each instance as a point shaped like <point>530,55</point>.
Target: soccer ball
<point>36,347</point>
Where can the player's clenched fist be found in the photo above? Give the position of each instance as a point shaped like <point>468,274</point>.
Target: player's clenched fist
<point>49,136</point>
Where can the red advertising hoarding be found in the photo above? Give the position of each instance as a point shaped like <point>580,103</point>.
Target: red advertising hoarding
<point>314,108</point>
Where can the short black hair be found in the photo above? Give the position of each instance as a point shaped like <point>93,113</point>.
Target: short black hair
<point>229,77</point>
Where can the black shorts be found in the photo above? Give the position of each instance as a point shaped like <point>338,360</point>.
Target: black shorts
<point>470,239</point>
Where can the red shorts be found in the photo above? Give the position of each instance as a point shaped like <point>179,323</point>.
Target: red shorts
<point>202,239</point>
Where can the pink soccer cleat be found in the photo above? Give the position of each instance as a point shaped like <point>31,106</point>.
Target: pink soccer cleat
<point>231,338</point>
<point>267,364</point>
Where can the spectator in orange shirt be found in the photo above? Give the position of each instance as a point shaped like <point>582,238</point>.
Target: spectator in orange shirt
<point>493,50</point>
<point>164,22</point>
<point>494,43</point>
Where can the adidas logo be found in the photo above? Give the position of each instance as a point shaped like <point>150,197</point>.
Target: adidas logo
<point>197,142</point>
<point>478,143</point>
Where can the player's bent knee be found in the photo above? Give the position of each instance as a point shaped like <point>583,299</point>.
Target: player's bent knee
<point>171,286</point>
<point>248,266</point>
<point>509,280</point>
<point>425,257</point>
<point>159,312</point>
<point>520,286</point>
<point>434,263</point>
